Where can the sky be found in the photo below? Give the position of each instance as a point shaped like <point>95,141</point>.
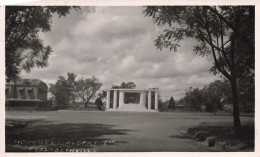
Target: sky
<point>116,44</point>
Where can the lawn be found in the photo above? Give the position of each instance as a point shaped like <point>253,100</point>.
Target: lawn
<point>85,131</point>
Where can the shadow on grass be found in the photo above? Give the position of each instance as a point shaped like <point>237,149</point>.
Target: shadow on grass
<point>51,135</point>
<point>233,139</point>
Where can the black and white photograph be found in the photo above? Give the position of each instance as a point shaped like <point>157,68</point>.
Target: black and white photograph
<point>129,78</point>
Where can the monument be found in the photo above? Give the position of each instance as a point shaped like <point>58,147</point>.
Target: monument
<point>116,100</point>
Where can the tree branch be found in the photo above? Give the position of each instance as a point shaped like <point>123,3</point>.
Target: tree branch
<point>233,28</point>
<point>210,42</point>
<point>223,71</point>
<point>222,45</point>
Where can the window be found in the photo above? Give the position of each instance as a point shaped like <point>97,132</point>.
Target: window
<point>30,92</point>
<point>7,92</point>
<point>21,93</point>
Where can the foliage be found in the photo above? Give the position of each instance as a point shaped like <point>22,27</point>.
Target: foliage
<point>171,104</point>
<point>193,98</point>
<point>129,85</point>
<point>211,96</point>
<point>162,106</point>
<point>86,89</point>
<point>99,103</point>
<point>63,89</point>
<point>102,94</point>
<point>23,47</point>
<point>225,32</point>
<point>131,97</point>
<point>246,91</point>
<point>215,95</point>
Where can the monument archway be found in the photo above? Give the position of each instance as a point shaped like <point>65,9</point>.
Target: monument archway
<point>143,104</point>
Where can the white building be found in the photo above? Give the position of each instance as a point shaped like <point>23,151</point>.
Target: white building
<point>116,100</point>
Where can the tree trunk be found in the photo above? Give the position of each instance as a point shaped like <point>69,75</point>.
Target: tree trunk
<point>85,105</point>
<point>236,118</point>
<point>215,109</point>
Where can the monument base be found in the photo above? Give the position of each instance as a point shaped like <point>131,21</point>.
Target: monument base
<point>132,108</point>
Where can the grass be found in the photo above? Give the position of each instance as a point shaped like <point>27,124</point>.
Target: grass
<point>229,138</point>
<point>21,135</point>
<point>124,131</point>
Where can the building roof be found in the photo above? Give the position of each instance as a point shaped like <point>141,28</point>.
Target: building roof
<point>28,82</point>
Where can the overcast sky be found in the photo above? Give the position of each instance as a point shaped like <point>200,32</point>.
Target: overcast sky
<point>116,45</point>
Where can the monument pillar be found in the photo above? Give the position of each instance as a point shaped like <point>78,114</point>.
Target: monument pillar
<point>121,98</point>
<point>149,100</point>
<point>115,99</point>
<point>108,100</point>
<point>143,98</point>
<point>156,100</point>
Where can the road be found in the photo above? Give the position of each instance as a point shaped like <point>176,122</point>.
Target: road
<point>124,131</point>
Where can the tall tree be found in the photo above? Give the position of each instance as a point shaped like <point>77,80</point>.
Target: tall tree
<point>171,104</point>
<point>193,98</point>
<point>99,103</point>
<point>86,88</point>
<point>23,47</point>
<point>216,91</point>
<point>225,32</point>
<point>63,89</point>
<point>71,80</point>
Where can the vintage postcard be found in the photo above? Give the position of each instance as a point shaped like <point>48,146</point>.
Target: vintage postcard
<point>150,77</point>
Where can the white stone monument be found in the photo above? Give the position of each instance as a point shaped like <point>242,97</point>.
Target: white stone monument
<point>141,106</point>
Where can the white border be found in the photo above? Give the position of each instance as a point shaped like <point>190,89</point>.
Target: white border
<point>127,3</point>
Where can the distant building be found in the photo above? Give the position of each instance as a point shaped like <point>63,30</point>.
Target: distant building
<point>123,104</point>
<point>26,93</point>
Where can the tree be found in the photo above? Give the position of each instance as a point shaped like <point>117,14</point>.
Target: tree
<point>225,32</point>
<point>86,89</point>
<point>99,103</point>
<point>102,94</point>
<point>216,91</point>
<point>212,96</point>
<point>23,47</point>
<point>162,106</point>
<point>71,85</point>
<point>171,104</point>
<point>63,89</point>
<point>246,90</point>
<point>129,85</point>
<point>130,97</point>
